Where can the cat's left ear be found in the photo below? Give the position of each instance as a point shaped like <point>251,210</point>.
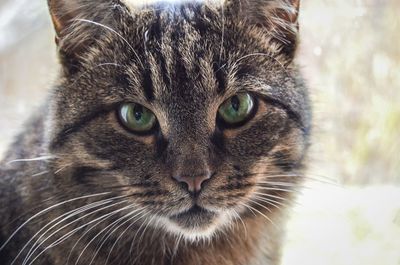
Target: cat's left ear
<point>278,19</point>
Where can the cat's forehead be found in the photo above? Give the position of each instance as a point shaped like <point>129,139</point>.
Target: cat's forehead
<point>173,50</point>
<point>183,55</point>
<point>188,47</point>
<point>168,47</point>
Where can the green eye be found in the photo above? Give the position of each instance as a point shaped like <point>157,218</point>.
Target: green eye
<point>236,109</point>
<point>136,118</point>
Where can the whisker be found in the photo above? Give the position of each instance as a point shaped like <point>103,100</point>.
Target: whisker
<point>39,158</point>
<point>46,210</point>
<point>40,173</point>
<point>271,202</point>
<point>263,206</point>
<point>104,240</point>
<point>237,215</point>
<point>62,168</point>
<point>66,236</point>
<point>317,178</point>
<point>107,234</point>
<point>69,234</point>
<point>275,189</point>
<point>271,196</point>
<point>68,215</point>
<point>266,217</point>
<point>134,237</point>
<point>278,183</point>
<point>145,228</point>
<point>123,232</point>
<point>104,217</point>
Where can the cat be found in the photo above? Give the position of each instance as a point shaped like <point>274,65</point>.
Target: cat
<point>176,133</point>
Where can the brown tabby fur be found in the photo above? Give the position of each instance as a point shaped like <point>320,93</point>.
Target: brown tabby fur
<point>65,181</point>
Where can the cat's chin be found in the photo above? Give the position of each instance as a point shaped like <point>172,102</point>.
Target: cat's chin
<point>196,223</point>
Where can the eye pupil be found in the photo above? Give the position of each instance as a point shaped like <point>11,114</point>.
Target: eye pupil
<point>235,103</point>
<point>138,112</point>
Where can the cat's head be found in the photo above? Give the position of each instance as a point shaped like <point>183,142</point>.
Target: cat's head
<point>194,111</point>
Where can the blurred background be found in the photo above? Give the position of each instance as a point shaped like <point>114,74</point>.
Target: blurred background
<point>350,54</point>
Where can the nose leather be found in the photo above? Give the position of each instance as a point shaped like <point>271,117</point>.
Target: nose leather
<point>193,182</point>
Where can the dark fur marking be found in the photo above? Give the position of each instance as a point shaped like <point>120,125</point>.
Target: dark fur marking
<point>166,78</point>
<point>283,161</point>
<point>161,145</point>
<point>122,80</point>
<point>79,124</point>
<point>81,173</point>
<point>218,140</point>
<point>236,177</point>
<point>220,76</point>
<point>235,186</point>
<point>148,86</point>
<point>237,168</point>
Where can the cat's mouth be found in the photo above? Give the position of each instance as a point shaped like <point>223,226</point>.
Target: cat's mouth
<point>196,222</point>
<point>194,218</point>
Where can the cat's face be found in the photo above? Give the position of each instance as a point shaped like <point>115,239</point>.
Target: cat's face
<point>199,117</point>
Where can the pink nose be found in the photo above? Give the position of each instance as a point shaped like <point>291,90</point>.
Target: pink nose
<point>193,182</point>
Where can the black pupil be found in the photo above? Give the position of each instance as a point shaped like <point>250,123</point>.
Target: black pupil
<point>138,112</point>
<point>235,103</point>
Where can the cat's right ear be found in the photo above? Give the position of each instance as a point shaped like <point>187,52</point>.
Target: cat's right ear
<point>78,23</point>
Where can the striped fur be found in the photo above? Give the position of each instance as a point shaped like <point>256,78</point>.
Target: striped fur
<point>77,188</point>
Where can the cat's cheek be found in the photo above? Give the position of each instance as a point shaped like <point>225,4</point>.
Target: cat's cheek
<point>278,173</point>
<point>290,152</point>
<point>259,136</point>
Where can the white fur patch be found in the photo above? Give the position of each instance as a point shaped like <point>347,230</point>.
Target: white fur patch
<point>195,235</point>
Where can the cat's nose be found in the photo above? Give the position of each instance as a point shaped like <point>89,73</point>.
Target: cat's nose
<point>193,183</point>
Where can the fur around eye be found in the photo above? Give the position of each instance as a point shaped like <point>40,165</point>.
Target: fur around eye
<point>136,118</point>
<point>237,109</point>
